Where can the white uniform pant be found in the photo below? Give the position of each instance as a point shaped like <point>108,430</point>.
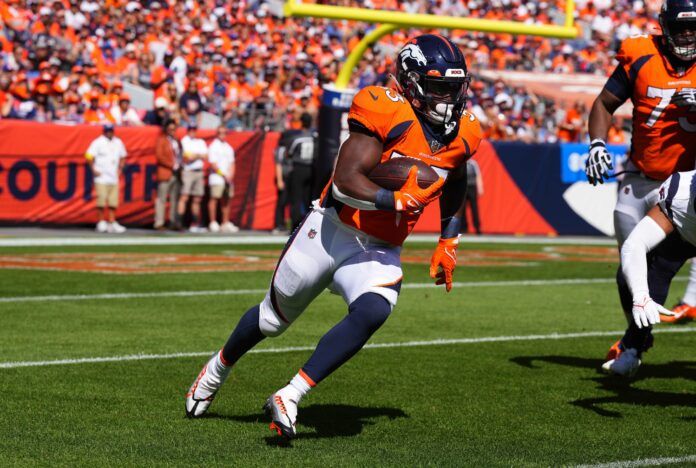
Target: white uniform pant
<point>637,195</point>
<point>324,253</point>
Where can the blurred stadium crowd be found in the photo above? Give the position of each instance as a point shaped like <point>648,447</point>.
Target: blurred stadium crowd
<point>67,60</point>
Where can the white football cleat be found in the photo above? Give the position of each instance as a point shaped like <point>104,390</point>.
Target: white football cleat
<point>281,407</point>
<point>229,227</point>
<point>625,364</point>
<point>102,226</point>
<point>116,228</point>
<point>214,226</point>
<point>205,387</point>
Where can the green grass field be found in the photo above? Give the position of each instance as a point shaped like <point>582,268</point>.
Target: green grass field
<point>530,398</point>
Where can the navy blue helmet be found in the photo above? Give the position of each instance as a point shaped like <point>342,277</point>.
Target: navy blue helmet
<point>433,77</point>
<point>678,22</point>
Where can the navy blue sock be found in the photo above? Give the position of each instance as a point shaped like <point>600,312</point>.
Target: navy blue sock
<point>243,338</point>
<point>638,338</point>
<point>365,315</point>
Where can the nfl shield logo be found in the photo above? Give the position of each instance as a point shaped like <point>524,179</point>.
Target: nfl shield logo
<point>312,233</point>
<point>435,146</point>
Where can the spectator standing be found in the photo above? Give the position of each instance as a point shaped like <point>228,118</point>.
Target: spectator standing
<point>616,135</point>
<point>169,158</point>
<point>195,153</point>
<point>301,150</point>
<point>474,189</point>
<point>94,114</point>
<point>191,103</point>
<point>221,181</point>
<point>106,156</point>
<point>123,113</point>
<point>571,128</point>
<point>283,168</point>
<point>159,115</point>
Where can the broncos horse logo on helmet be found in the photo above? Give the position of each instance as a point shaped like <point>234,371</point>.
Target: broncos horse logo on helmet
<point>412,51</point>
<point>433,77</point>
<point>678,22</point>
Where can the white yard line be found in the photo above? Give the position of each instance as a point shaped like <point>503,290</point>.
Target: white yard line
<point>237,292</point>
<point>403,344</point>
<point>644,462</point>
<point>271,240</point>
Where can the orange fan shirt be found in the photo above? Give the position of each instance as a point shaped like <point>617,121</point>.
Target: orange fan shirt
<point>389,117</point>
<point>664,134</point>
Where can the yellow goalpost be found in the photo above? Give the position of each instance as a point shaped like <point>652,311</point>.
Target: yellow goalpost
<point>392,20</point>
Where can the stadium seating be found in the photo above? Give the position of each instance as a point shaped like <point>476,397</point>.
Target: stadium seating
<point>66,60</point>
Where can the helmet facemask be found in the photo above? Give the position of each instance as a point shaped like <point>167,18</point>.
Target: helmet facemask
<point>439,99</point>
<point>681,38</point>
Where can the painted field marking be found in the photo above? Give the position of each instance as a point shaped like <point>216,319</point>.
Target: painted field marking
<point>149,239</point>
<point>644,462</point>
<point>238,292</point>
<point>402,344</point>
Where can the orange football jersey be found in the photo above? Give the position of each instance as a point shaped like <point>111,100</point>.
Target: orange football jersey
<point>390,118</point>
<point>664,134</point>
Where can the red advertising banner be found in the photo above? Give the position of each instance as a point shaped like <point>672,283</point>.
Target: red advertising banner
<point>44,177</point>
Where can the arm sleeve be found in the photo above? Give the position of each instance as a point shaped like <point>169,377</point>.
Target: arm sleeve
<point>350,201</point>
<point>89,154</point>
<point>471,134</point>
<point>372,112</point>
<point>632,55</point>
<point>619,84</point>
<point>645,236</point>
<point>161,153</point>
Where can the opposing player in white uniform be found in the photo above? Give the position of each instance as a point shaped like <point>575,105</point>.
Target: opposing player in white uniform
<point>653,253</point>
<point>658,74</point>
<point>351,241</point>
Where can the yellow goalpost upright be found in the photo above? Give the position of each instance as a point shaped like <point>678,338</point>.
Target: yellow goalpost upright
<point>392,20</point>
<point>336,98</point>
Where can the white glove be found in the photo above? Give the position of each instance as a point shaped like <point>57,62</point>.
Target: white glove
<point>647,312</point>
<point>685,98</point>
<point>598,162</point>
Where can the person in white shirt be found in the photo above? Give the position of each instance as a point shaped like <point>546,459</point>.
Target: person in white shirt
<point>123,113</point>
<point>221,182</point>
<point>192,178</point>
<point>106,156</point>
<point>668,233</point>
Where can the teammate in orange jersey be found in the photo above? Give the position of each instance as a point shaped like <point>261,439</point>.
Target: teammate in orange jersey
<point>658,74</point>
<point>350,242</point>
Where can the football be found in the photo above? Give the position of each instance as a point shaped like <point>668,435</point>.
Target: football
<point>392,174</point>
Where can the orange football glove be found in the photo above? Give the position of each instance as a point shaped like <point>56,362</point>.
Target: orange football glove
<point>444,260</point>
<point>411,197</point>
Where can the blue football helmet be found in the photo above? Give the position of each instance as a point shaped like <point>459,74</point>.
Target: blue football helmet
<point>678,22</point>
<point>433,77</point>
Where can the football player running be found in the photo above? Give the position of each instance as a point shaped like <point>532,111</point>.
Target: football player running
<point>669,231</point>
<point>658,74</point>
<point>350,241</point>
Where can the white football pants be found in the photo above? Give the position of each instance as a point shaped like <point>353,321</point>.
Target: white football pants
<point>637,195</point>
<point>325,253</point>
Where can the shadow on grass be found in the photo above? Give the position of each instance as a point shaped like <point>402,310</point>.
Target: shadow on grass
<point>622,388</point>
<point>327,421</point>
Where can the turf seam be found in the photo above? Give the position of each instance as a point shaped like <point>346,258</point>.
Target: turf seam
<point>403,344</point>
